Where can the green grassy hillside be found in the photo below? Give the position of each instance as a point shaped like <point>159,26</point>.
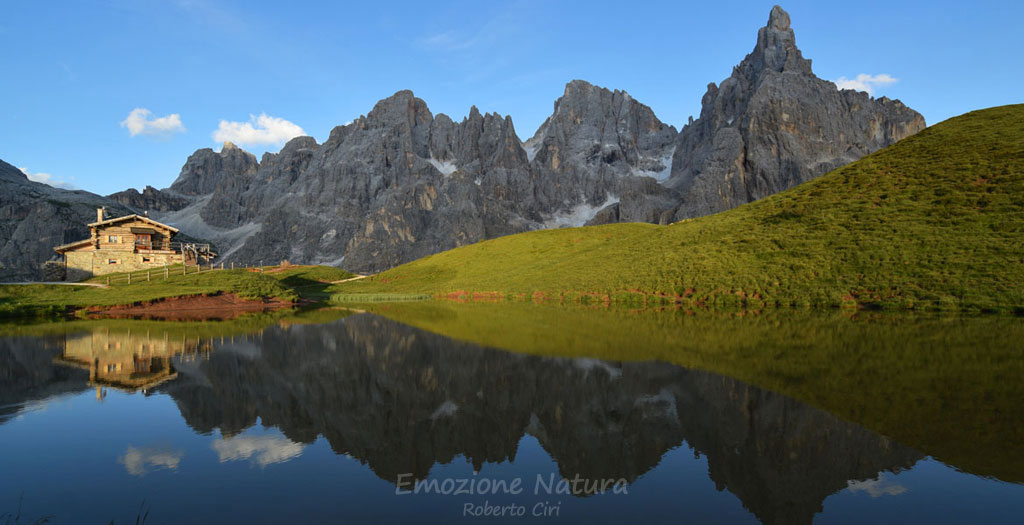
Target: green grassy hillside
<point>935,221</point>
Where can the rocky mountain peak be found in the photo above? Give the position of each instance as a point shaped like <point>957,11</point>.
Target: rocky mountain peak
<point>298,143</point>
<point>11,174</point>
<point>401,108</point>
<point>772,125</point>
<point>592,125</point>
<point>776,48</point>
<point>205,168</point>
<point>150,199</point>
<point>778,19</point>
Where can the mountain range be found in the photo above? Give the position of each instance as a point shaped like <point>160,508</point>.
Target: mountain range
<point>401,183</point>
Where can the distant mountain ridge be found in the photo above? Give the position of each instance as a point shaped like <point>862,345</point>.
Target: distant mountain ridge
<point>401,183</point>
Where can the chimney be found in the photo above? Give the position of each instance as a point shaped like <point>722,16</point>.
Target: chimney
<point>99,214</point>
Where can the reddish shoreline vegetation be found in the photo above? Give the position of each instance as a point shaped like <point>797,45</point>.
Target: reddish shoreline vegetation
<point>217,306</point>
<point>215,294</point>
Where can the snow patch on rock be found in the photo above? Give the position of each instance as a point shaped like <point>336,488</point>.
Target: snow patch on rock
<point>579,215</point>
<point>661,175</point>
<point>330,262</point>
<point>188,221</point>
<point>588,364</point>
<point>531,146</point>
<point>446,167</point>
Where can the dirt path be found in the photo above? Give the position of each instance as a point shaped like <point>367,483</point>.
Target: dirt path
<point>60,283</point>
<point>356,278</point>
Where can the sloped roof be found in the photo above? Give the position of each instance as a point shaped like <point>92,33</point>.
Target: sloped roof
<point>133,217</point>
<point>65,247</point>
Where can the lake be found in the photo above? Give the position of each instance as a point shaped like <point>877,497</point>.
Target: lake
<point>439,412</point>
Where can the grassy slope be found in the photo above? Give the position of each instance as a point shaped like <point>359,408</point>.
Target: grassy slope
<point>948,387</point>
<point>289,284</point>
<point>935,221</point>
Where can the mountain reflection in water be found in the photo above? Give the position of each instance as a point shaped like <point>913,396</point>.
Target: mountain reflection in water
<point>401,400</point>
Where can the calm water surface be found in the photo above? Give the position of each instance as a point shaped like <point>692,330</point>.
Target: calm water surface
<point>336,418</point>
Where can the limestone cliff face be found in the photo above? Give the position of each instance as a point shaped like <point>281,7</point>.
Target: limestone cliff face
<point>772,125</point>
<point>389,187</point>
<point>602,146</point>
<point>206,169</point>
<point>401,183</point>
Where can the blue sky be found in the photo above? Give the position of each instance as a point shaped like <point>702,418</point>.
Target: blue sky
<point>75,72</point>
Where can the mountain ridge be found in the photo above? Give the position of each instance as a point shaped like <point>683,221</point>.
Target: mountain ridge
<point>401,183</point>
<point>933,222</point>
<point>601,157</point>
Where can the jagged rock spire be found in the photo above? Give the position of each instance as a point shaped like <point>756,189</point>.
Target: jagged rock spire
<point>772,125</point>
<point>776,48</point>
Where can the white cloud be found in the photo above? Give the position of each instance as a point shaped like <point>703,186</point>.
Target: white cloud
<point>46,178</point>
<point>261,130</point>
<point>876,487</point>
<point>139,461</point>
<point>264,450</point>
<point>865,82</point>
<point>140,122</point>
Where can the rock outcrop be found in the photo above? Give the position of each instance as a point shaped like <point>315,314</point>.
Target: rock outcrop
<point>206,169</point>
<point>603,145</point>
<point>401,183</point>
<point>151,199</point>
<point>772,125</point>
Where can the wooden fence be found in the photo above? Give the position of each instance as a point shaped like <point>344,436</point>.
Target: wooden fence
<point>170,273</point>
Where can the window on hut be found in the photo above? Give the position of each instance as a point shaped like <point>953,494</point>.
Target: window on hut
<point>143,237</point>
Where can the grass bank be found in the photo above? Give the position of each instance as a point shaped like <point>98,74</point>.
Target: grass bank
<point>289,283</point>
<point>933,222</point>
